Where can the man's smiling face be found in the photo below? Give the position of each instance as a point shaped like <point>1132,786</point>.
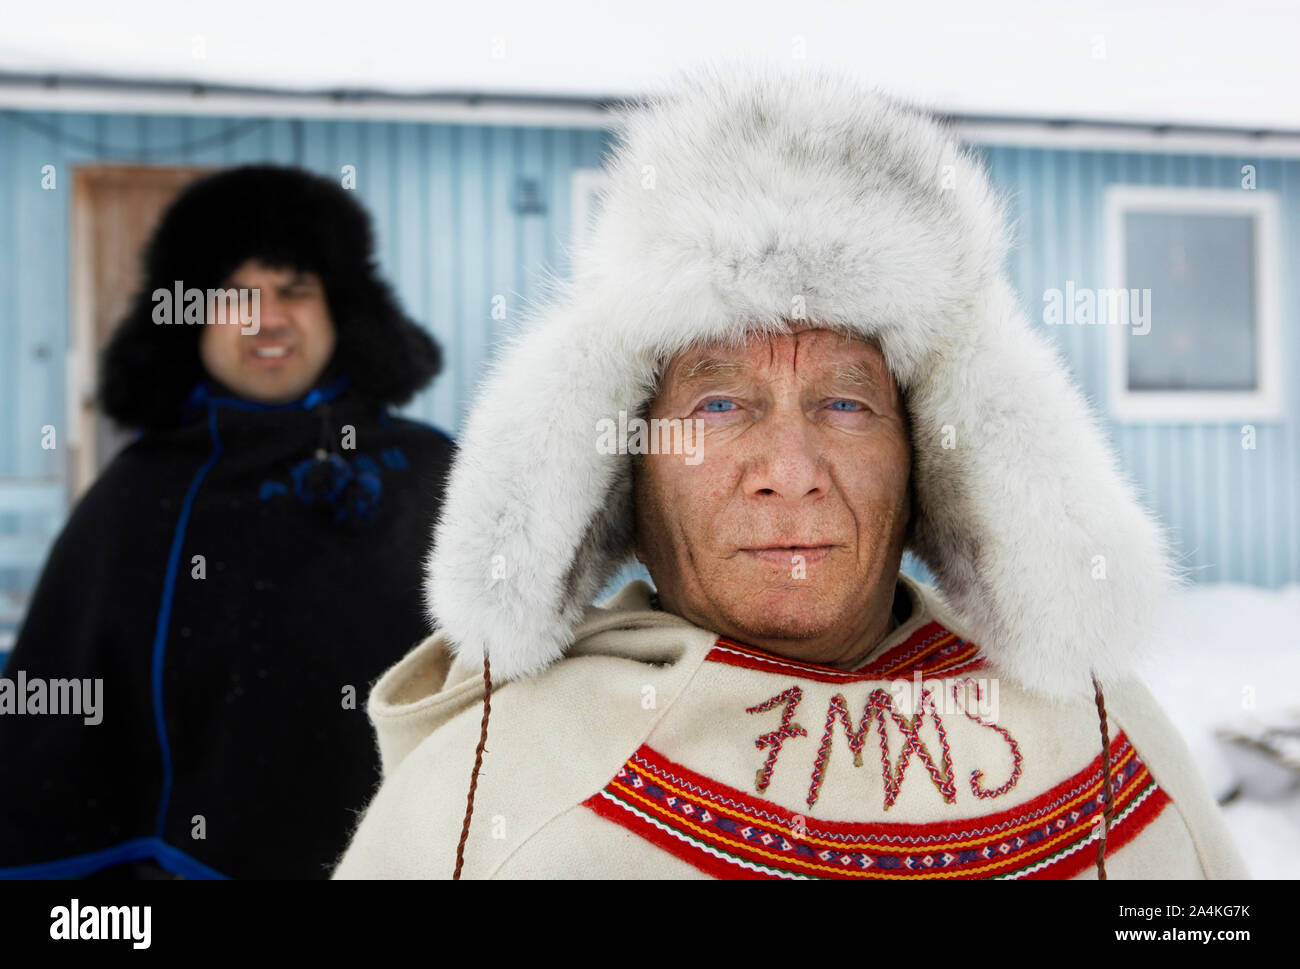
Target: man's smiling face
<point>294,339</point>
<point>788,535</point>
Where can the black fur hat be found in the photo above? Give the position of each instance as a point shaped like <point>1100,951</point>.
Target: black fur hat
<point>285,217</point>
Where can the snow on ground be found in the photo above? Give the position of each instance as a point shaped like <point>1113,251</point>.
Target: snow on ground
<point>1229,656</point>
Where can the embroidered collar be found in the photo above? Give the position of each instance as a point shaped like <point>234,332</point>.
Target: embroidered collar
<point>932,650</point>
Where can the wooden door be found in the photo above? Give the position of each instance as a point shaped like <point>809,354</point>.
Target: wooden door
<point>114,210</point>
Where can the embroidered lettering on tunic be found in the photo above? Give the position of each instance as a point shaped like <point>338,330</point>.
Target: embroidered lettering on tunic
<point>776,738</point>
<point>878,704</point>
<point>1016,758</point>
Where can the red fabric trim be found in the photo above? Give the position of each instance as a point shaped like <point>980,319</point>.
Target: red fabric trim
<point>1086,857</point>
<point>964,848</point>
<point>930,650</point>
<point>702,860</point>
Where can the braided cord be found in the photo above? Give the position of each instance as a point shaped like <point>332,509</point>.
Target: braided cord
<point>478,762</point>
<point>1108,808</point>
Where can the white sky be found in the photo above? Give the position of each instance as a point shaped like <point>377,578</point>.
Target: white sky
<point>1229,64</point>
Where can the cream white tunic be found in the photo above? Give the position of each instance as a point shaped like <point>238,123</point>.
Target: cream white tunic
<point>655,749</point>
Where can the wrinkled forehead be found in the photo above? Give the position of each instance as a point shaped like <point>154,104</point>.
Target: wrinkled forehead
<point>808,352</point>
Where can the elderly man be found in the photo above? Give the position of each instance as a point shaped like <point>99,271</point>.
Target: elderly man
<point>802,280</point>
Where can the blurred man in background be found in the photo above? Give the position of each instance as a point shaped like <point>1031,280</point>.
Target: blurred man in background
<point>227,590</point>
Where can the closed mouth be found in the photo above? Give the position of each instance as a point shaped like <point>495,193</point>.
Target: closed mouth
<point>785,548</point>
<point>784,556</point>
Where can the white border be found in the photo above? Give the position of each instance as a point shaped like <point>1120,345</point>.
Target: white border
<point>1100,136</point>
<point>1079,134</point>
<point>361,108</point>
<point>1210,407</point>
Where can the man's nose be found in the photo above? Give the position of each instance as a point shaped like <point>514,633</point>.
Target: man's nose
<point>272,310</point>
<point>786,460</point>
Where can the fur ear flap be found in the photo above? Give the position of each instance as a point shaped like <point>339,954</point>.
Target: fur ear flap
<point>536,516</point>
<point>1031,530</point>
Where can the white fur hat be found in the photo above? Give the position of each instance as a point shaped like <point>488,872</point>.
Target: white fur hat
<point>743,198</point>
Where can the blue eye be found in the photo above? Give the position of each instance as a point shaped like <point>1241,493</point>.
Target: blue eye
<point>708,405</point>
<point>852,403</point>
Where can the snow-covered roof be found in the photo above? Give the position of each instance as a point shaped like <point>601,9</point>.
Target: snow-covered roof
<point>1157,62</point>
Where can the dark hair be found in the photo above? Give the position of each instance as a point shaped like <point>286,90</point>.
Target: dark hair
<point>286,218</point>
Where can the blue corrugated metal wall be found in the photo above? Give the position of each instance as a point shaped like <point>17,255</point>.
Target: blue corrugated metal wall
<point>450,240</point>
<point>1234,513</point>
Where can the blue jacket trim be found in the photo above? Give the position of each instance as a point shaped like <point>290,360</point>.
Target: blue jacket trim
<point>164,617</point>
<point>202,394</point>
<point>138,849</point>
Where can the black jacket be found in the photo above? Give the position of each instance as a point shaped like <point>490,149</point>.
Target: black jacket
<point>225,709</point>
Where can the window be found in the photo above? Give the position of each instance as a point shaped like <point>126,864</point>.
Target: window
<point>1193,296</point>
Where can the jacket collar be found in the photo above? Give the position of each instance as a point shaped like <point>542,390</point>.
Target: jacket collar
<point>207,393</point>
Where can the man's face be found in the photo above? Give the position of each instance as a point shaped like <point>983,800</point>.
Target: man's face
<point>788,534</point>
<point>293,342</point>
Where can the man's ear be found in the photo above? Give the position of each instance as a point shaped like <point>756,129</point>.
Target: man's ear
<point>913,506</point>
<point>635,460</point>
<point>913,509</point>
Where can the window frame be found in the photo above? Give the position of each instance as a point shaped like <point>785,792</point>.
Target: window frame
<point>1265,403</point>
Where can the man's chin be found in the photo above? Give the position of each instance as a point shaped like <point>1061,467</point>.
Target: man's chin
<point>800,612</point>
<point>756,630</point>
<point>278,389</point>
